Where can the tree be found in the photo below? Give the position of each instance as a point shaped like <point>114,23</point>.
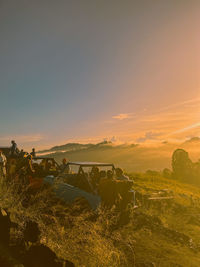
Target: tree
<point>182,166</point>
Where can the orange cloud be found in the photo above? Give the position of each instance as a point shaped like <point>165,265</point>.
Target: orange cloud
<point>122,116</point>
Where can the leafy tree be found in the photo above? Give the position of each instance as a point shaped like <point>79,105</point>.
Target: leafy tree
<point>182,166</point>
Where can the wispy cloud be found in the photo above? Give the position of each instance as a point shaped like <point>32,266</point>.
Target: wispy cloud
<point>123,116</point>
<point>183,103</point>
<point>22,138</point>
<point>190,127</point>
<point>148,136</point>
<point>175,121</point>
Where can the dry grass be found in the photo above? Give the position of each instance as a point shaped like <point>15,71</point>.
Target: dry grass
<point>74,233</point>
<point>96,239</point>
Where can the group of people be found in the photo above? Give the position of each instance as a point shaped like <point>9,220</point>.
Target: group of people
<point>14,160</point>
<point>113,186</point>
<point>45,166</point>
<point>15,152</point>
<point>96,176</point>
<point>113,189</point>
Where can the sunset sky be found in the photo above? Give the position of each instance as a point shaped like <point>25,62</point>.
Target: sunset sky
<point>88,70</point>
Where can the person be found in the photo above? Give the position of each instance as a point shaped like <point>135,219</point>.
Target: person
<point>63,165</point>
<point>106,190</point>
<point>120,175</point>
<point>123,189</point>
<point>49,166</point>
<point>22,153</point>
<point>102,174</point>
<point>3,162</point>
<point>53,167</point>
<point>14,150</point>
<point>33,154</point>
<point>29,166</point>
<point>95,177</point>
<point>25,170</point>
<point>39,255</point>
<point>110,174</point>
<point>43,164</point>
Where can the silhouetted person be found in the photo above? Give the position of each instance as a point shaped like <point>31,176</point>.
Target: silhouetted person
<point>31,232</point>
<point>95,176</point>
<point>14,150</point>
<point>125,195</point>
<point>33,154</point>
<point>39,255</point>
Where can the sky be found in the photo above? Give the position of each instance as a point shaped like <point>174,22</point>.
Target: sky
<point>82,71</point>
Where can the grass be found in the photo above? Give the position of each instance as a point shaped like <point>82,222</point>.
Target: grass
<point>73,233</point>
<point>99,239</point>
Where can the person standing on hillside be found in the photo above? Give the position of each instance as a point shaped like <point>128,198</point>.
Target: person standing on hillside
<point>3,162</point>
<point>33,154</point>
<point>14,151</point>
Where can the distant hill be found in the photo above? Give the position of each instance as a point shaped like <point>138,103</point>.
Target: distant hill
<point>131,157</point>
<point>66,147</point>
<point>74,147</point>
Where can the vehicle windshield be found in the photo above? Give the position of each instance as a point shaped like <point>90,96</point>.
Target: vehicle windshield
<point>87,169</point>
<point>74,169</point>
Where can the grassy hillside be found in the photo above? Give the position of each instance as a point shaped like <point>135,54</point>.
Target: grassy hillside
<point>167,232</point>
<point>157,233</point>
